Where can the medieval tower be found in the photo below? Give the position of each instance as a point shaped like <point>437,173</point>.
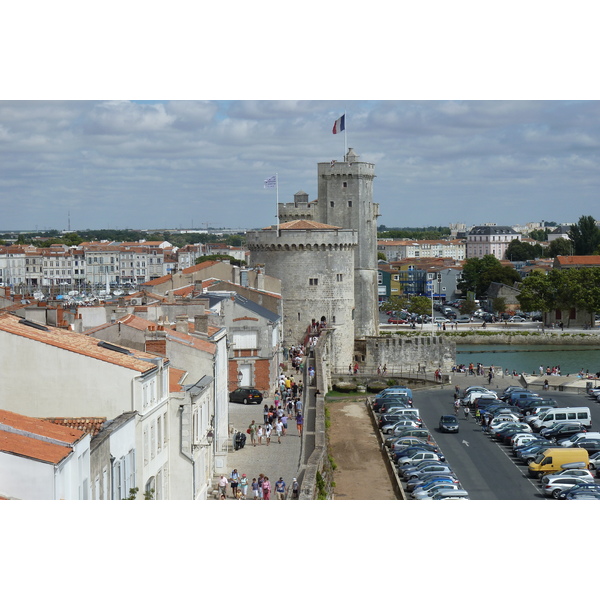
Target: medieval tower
<point>315,262</point>
<point>345,199</point>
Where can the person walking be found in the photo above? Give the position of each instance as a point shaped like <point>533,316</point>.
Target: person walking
<point>252,431</point>
<point>280,489</point>
<point>295,489</point>
<point>299,423</point>
<point>254,488</point>
<point>235,480</point>
<point>223,486</point>
<point>266,414</point>
<point>260,432</point>
<point>467,411</point>
<point>284,422</point>
<point>261,480</point>
<point>266,489</point>
<point>279,430</point>
<point>268,431</point>
<point>244,486</point>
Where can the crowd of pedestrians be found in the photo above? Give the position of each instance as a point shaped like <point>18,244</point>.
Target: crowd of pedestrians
<point>241,488</point>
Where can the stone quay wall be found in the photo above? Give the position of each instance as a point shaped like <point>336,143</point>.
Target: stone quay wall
<point>417,353</point>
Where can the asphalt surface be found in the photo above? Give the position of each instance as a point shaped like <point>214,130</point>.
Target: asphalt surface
<point>486,468</point>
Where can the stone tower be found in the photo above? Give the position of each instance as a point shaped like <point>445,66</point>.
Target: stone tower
<point>345,199</point>
<point>315,263</point>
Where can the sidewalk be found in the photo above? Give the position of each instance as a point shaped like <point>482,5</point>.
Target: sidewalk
<point>274,461</point>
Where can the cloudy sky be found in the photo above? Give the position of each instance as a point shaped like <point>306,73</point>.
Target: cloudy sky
<point>449,122</point>
<point>128,164</point>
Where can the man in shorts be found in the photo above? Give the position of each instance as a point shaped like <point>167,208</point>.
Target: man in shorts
<point>280,489</point>
<point>279,430</point>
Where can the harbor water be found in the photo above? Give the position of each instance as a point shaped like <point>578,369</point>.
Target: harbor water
<point>527,359</point>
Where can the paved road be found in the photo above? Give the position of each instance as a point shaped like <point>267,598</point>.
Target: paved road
<point>486,469</point>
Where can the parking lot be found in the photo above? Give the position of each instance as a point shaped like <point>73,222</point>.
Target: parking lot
<point>487,469</point>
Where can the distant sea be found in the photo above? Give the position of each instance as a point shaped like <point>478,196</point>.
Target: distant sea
<point>529,358</point>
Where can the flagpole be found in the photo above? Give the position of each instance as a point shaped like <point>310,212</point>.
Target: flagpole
<point>345,129</point>
<point>277,201</point>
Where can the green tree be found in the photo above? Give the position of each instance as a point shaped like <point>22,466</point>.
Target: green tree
<point>585,236</point>
<point>233,261</point>
<point>381,256</point>
<point>478,273</point>
<point>421,305</point>
<point>559,247</point>
<point>535,292</point>
<point>395,303</point>
<point>467,307</point>
<point>540,235</point>
<point>499,305</point>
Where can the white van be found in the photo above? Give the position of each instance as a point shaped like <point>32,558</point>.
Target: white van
<point>580,414</point>
<point>579,437</point>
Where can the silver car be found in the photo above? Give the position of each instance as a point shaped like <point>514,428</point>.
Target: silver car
<point>573,472</point>
<point>561,484</point>
<point>430,467</point>
<point>427,493</point>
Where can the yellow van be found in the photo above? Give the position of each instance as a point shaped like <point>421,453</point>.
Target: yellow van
<point>552,460</point>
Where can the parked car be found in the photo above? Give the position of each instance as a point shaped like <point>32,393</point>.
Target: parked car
<point>517,319</point>
<point>560,484</point>
<point>473,388</point>
<point>581,491</point>
<point>417,458</point>
<point>397,321</point>
<point>528,453</point>
<point>415,484</point>
<point>427,493</point>
<point>448,424</point>
<point>528,406</point>
<point>463,319</point>
<point>419,471</point>
<point>581,473</point>
<point>562,431</point>
<point>404,441</point>
<point>591,446</point>
<point>451,495</point>
<point>246,395</point>
<point>412,450</point>
<point>506,392</point>
<point>594,461</point>
<point>400,427</point>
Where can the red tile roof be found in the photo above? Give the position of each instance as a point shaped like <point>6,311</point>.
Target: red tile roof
<point>305,224</point>
<point>78,343</point>
<point>590,261</point>
<point>91,425</point>
<point>176,377</point>
<point>52,449</point>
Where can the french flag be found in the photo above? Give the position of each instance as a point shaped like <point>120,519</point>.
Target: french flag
<point>339,125</point>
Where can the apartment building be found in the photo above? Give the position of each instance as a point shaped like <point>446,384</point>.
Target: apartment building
<point>490,239</point>
<point>395,250</point>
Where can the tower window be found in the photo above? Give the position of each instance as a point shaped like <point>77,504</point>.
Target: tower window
<point>331,204</point>
<point>339,277</point>
<point>313,281</point>
<point>344,184</point>
<point>349,203</point>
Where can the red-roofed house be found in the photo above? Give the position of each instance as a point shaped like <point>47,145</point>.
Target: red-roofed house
<point>42,461</point>
<point>49,372</point>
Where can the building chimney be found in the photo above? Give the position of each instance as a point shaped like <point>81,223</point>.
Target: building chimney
<point>201,324</point>
<point>181,324</point>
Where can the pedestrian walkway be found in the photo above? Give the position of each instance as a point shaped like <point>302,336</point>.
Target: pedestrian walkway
<point>274,461</point>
